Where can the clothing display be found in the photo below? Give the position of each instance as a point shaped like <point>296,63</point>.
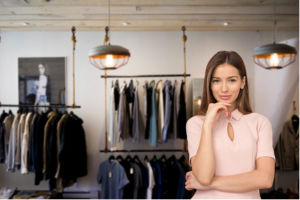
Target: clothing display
<point>48,144</point>
<point>287,148</point>
<point>129,178</point>
<point>252,140</point>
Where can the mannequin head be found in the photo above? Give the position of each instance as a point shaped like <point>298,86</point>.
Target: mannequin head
<point>42,69</point>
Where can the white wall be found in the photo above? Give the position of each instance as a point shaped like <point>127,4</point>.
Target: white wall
<point>152,53</point>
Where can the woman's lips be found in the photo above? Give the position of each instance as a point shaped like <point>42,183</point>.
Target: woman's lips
<point>225,97</point>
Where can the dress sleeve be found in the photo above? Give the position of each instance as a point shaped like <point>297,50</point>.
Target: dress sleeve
<point>194,130</point>
<point>265,140</point>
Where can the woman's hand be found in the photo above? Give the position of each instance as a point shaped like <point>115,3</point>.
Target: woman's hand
<point>192,183</point>
<point>214,111</point>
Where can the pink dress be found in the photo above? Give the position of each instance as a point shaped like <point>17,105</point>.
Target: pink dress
<point>252,140</point>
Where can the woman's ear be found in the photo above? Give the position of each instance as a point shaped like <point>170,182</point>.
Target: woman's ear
<point>243,82</point>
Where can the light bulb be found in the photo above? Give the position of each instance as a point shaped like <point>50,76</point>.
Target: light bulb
<point>199,102</point>
<point>109,62</point>
<point>274,60</point>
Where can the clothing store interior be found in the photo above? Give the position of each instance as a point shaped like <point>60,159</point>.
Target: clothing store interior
<point>72,125</point>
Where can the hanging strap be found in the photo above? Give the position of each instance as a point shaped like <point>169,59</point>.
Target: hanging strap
<point>74,43</point>
<point>184,38</point>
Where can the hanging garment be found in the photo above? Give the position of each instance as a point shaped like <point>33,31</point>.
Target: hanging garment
<point>287,148</point>
<point>151,181</point>
<point>174,113</point>
<point>2,138</point>
<point>113,124</point>
<point>113,178</point>
<point>73,149</point>
<point>117,95</point>
<point>142,193</point>
<point>168,93</point>
<point>21,129</point>
<point>130,102</point>
<point>128,167</point>
<point>157,190</point>
<point>52,153</point>
<point>59,185</point>
<point>138,180</point>
<point>160,111</point>
<point>123,115</point>
<point>149,110</point>
<point>51,116</point>
<point>181,122</point>
<point>188,194</point>
<point>136,118</point>
<point>12,144</point>
<point>32,137</point>
<point>153,117</point>
<point>39,147</point>
<point>145,87</point>
<point>25,145</point>
<point>8,125</point>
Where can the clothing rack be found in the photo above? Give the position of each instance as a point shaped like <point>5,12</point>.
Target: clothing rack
<point>143,150</point>
<point>39,106</point>
<point>149,75</point>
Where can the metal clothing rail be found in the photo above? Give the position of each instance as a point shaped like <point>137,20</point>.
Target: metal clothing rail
<point>144,150</point>
<point>39,106</point>
<point>149,75</point>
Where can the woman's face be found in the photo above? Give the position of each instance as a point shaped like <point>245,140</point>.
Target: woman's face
<point>226,83</point>
<point>41,69</point>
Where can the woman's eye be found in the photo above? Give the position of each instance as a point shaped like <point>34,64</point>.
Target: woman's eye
<point>215,81</point>
<point>232,80</point>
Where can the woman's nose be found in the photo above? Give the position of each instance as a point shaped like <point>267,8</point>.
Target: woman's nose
<point>224,88</point>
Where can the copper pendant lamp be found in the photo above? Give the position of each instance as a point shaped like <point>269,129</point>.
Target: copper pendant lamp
<point>274,56</point>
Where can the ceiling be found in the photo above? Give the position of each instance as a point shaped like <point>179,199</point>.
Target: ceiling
<point>148,15</point>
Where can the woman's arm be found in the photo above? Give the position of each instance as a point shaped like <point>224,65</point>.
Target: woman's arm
<point>260,178</point>
<point>203,163</point>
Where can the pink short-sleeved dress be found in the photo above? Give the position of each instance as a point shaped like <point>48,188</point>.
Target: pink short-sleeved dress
<point>252,140</point>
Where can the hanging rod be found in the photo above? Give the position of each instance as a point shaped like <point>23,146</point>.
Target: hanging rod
<point>143,150</point>
<point>39,106</point>
<point>148,75</point>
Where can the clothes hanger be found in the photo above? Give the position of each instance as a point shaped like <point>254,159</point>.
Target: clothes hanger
<point>120,158</point>
<point>128,158</point>
<point>154,158</point>
<point>136,158</point>
<point>146,158</point>
<point>163,157</point>
<point>111,158</point>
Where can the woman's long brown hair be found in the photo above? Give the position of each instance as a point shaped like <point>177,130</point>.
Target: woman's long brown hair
<point>234,59</point>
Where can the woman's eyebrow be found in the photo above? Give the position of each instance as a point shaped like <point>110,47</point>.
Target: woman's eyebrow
<point>227,77</point>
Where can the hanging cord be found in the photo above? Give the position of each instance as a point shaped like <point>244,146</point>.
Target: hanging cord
<point>184,38</point>
<point>275,23</point>
<point>106,37</point>
<point>109,21</point>
<point>106,138</point>
<point>74,42</point>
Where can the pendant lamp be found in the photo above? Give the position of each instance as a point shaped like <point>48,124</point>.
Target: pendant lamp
<point>106,56</point>
<point>274,56</point>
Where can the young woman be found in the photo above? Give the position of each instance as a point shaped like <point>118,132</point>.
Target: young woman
<point>230,147</point>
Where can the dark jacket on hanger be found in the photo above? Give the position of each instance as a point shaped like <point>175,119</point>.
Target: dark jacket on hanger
<point>73,155</point>
<point>2,138</point>
<point>181,122</point>
<point>52,163</point>
<point>39,146</point>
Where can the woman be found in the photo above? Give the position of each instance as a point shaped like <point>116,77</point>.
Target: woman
<point>230,147</point>
<point>41,95</point>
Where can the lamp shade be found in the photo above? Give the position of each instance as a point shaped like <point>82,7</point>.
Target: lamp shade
<point>274,56</point>
<point>109,57</point>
